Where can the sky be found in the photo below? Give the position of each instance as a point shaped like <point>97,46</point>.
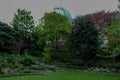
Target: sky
<point>39,7</point>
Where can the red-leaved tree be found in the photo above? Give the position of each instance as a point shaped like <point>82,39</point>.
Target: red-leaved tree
<point>103,19</point>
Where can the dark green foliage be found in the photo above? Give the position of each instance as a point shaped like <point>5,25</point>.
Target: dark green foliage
<point>60,56</point>
<point>7,37</point>
<point>83,41</point>
<point>39,41</point>
<point>27,60</point>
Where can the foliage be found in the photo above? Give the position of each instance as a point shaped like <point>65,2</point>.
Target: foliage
<point>27,70</point>
<point>116,51</point>
<point>52,30</point>
<point>60,56</point>
<point>113,34</point>
<point>46,55</point>
<point>103,19</point>
<point>27,60</point>
<point>39,41</point>
<point>7,37</point>
<point>83,41</point>
<point>23,23</point>
<point>119,5</point>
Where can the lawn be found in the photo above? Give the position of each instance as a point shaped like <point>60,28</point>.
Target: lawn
<point>67,75</point>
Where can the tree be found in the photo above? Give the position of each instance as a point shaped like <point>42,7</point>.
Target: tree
<point>119,6</point>
<point>113,34</point>
<point>53,30</point>
<point>83,41</point>
<point>103,19</point>
<point>23,23</point>
<point>7,37</point>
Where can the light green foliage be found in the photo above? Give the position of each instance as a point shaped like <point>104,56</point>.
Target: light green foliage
<point>53,27</point>
<point>23,23</point>
<point>46,55</point>
<point>113,34</point>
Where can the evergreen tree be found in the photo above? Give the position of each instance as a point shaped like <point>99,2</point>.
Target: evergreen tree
<point>7,37</point>
<point>83,41</point>
<point>119,6</point>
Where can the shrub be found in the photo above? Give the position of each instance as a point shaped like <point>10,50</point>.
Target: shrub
<point>27,70</point>
<point>27,60</point>
<point>46,55</point>
<point>60,56</point>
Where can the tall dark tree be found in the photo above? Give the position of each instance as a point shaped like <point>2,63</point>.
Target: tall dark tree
<point>23,23</point>
<point>83,41</point>
<point>119,5</point>
<point>7,37</point>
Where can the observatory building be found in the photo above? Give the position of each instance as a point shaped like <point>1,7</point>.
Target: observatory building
<point>64,12</point>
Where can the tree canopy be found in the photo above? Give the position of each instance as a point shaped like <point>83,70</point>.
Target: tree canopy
<point>83,41</point>
<point>113,34</point>
<point>23,23</point>
<point>7,37</point>
<point>52,30</point>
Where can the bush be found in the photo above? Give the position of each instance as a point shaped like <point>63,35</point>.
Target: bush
<point>60,56</point>
<point>46,55</point>
<point>27,60</point>
<point>27,70</point>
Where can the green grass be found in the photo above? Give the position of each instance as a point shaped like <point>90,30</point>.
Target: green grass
<point>67,75</point>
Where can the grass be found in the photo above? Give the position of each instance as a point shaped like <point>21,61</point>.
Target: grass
<point>67,75</point>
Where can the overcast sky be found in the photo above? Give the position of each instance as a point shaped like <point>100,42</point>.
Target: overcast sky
<point>39,7</point>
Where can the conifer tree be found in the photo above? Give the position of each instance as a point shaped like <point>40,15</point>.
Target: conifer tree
<point>83,41</point>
